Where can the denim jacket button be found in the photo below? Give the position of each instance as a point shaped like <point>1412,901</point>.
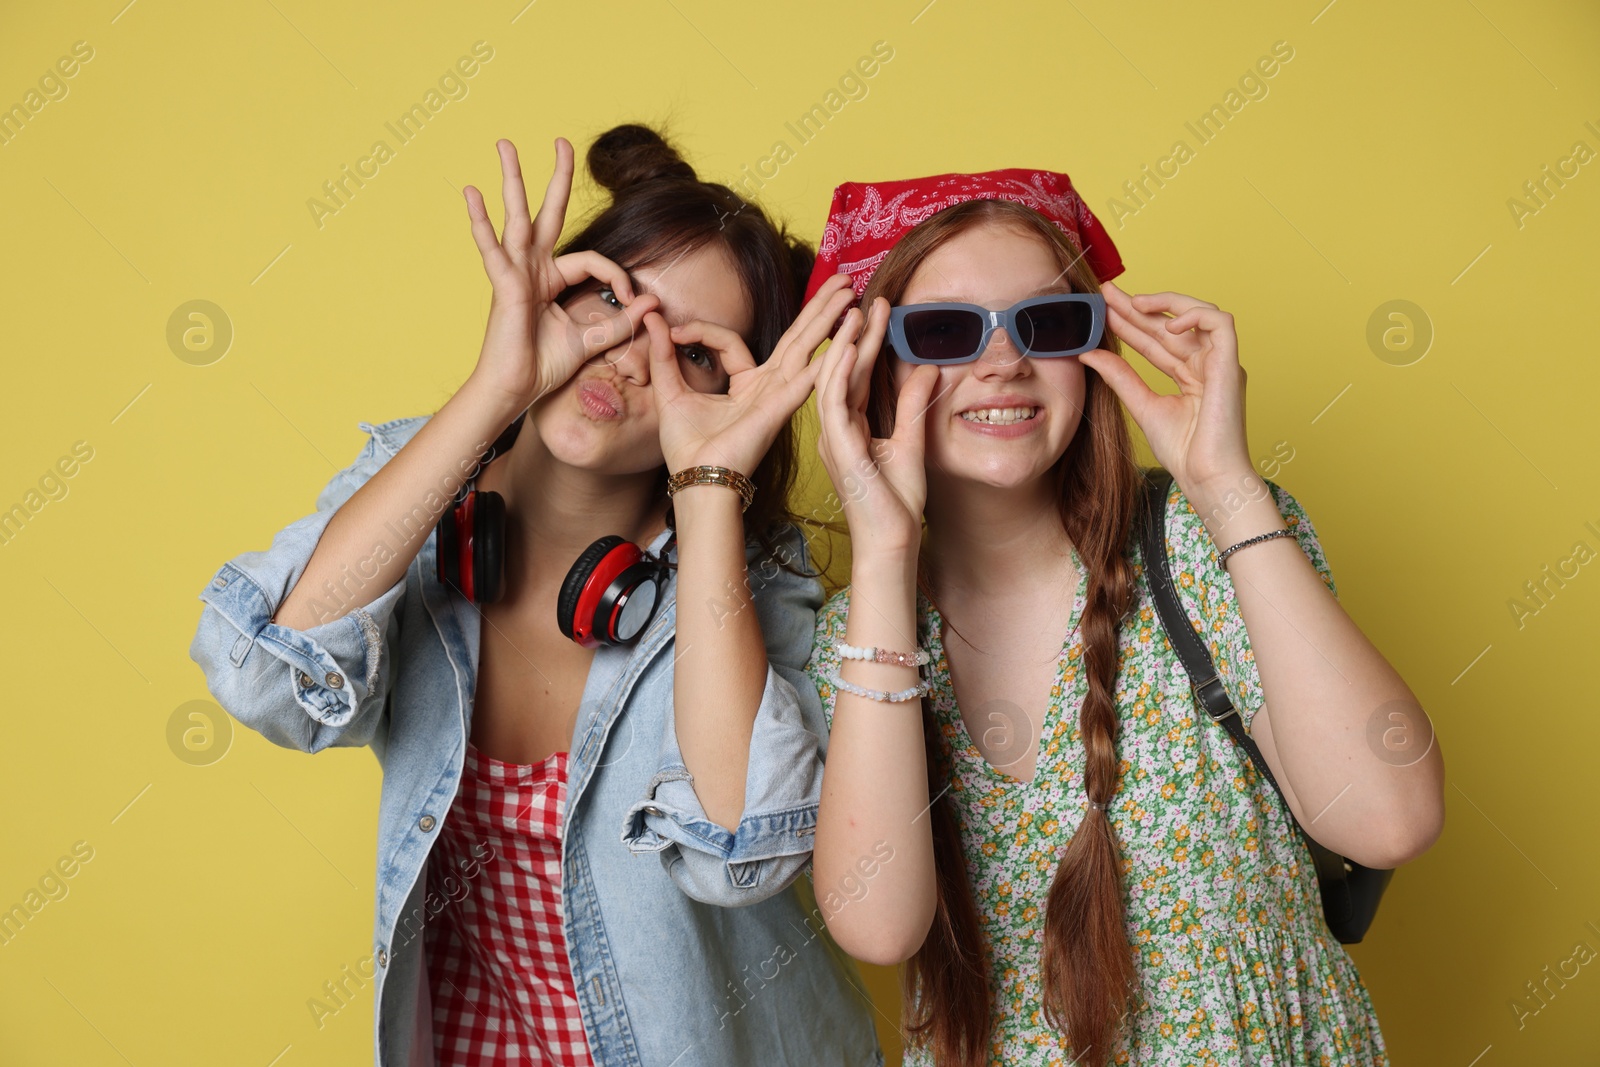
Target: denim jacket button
<point>335,680</point>
<point>305,680</point>
<point>383,958</point>
<point>426,823</point>
<point>220,583</point>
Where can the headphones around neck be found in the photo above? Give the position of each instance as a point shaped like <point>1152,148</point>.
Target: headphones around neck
<point>609,596</point>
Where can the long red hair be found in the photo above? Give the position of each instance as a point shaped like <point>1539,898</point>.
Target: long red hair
<point>1087,965</point>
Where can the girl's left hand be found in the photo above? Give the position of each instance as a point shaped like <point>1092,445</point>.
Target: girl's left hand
<point>735,429</point>
<point>1198,434</point>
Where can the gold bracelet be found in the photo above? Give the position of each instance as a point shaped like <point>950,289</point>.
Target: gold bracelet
<point>704,475</point>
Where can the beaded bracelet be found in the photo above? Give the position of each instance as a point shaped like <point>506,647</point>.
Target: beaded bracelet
<point>919,658</point>
<point>1222,557</point>
<point>909,693</point>
<point>706,475</point>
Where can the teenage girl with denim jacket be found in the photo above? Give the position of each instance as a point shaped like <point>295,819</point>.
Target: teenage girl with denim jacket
<point>586,855</point>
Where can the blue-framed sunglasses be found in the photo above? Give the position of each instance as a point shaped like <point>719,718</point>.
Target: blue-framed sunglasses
<point>1061,324</point>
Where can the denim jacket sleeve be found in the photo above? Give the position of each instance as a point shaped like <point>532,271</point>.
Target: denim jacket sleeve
<point>783,784</point>
<point>301,689</point>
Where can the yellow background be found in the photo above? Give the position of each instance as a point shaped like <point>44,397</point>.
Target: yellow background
<point>219,898</point>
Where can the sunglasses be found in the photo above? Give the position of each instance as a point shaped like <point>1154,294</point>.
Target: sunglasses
<point>1062,324</point>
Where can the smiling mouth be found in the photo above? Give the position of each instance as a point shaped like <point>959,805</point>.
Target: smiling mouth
<point>1000,416</point>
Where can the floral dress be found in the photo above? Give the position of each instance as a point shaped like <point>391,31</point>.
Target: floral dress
<point>1235,962</point>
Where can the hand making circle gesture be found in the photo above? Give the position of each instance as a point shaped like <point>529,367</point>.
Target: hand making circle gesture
<point>881,481</point>
<point>531,345</point>
<point>735,429</point>
<point>1199,433</point>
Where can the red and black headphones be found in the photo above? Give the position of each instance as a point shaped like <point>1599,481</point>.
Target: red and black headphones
<point>609,596</point>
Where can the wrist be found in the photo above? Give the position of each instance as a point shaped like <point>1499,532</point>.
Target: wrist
<point>1238,510</point>
<point>1237,477</point>
<point>1226,485</point>
<point>706,502</point>
<point>883,609</point>
<point>730,479</point>
<point>875,565</point>
<point>491,402</point>
<point>734,460</point>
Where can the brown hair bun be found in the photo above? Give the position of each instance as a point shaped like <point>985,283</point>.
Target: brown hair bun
<point>629,155</point>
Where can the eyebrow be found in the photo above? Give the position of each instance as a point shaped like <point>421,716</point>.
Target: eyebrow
<point>1051,287</point>
<point>640,289</point>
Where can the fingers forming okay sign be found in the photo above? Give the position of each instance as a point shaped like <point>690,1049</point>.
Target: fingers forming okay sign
<point>532,346</point>
<point>1198,433</point>
<point>880,481</point>
<point>735,429</point>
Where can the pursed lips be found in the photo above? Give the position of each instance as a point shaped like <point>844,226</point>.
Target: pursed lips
<point>600,399</point>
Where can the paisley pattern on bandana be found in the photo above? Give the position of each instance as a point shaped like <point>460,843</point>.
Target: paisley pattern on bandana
<point>867,219</point>
<point>1235,963</point>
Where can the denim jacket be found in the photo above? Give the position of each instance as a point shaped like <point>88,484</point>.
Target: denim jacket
<point>688,944</point>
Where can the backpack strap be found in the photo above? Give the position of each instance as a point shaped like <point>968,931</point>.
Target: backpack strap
<point>1208,689</point>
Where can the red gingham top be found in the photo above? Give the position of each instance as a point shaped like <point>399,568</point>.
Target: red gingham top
<point>496,955</point>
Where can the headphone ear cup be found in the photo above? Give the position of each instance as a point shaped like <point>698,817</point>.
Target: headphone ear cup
<point>642,584</point>
<point>577,577</point>
<point>488,546</point>
<point>447,547</point>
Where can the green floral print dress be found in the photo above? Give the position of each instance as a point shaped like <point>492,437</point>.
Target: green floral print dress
<point>1236,964</point>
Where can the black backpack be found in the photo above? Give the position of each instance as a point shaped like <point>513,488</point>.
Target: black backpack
<point>1350,892</point>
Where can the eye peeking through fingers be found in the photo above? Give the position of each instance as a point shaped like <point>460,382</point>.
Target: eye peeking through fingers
<point>699,355</point>
<point>591,303</point>
<point>702,369</point>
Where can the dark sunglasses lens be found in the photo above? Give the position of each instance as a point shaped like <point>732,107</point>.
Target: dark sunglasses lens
<point>1060,326</point>
<point>944,335</point>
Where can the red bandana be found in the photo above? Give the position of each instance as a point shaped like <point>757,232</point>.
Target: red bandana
<point>867,219</point>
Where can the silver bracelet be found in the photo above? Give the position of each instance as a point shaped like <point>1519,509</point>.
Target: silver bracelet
<point>919,658</point>
<point>1222,557</point>
<point>909,693</point>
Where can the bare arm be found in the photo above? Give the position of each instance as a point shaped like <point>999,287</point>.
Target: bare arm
<point>722,659</point>
<point>1323,679</point>
<point>722,668</point>
<point>1324,682</point>
<point>875,782</point>
<point>375,535</point>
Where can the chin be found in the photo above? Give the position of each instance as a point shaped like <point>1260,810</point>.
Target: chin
<point>999,462</point>
<point>996,472</point>
<point>605,447</point>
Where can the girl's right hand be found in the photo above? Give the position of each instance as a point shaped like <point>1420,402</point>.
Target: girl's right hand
<point>881,481</point>
<point>531,346</point>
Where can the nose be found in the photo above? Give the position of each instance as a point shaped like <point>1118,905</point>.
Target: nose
<point>1000,359</point>
<point>629,358</point>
